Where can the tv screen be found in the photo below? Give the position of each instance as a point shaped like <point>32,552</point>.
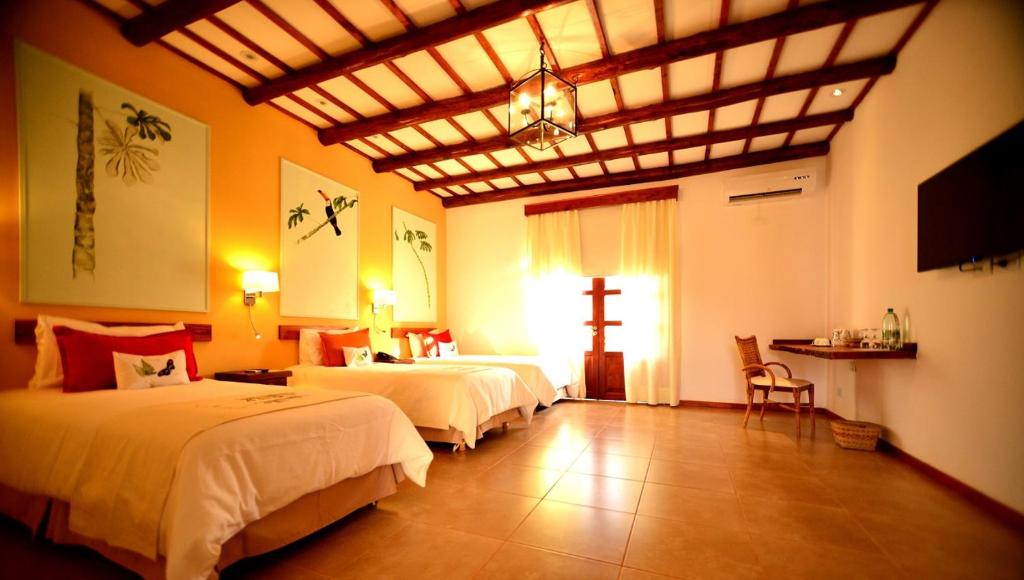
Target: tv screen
<point>974,208</point>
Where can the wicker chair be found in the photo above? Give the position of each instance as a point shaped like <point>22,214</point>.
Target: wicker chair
<point>761,378</point>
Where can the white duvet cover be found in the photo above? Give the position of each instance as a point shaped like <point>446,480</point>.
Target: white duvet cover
<point>439,397</point>
<point>227,476</point>
<point>544,377</point>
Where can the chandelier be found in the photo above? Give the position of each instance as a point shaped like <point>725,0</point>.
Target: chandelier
<point>542,108</point>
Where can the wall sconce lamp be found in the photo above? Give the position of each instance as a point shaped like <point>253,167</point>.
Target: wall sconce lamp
<point>382,299</point>
<point>254,284</point>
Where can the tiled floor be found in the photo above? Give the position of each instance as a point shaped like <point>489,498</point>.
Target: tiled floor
<point>602,490</point>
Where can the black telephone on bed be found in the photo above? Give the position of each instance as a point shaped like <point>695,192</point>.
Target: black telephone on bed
<point>383,357</point>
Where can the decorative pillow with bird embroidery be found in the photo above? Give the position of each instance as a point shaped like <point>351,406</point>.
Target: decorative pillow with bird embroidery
<point>135,371</point>
<point>357,356</point>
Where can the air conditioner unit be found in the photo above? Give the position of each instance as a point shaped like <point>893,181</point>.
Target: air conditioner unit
<point>766,186</point>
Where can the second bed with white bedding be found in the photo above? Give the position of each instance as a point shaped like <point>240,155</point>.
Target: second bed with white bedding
<point>547,379</point>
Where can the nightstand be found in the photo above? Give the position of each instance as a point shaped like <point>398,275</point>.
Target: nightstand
<point>279,378</point>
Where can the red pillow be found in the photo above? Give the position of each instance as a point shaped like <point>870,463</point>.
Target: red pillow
<point>88,359</point>
<point>333,343</point>
<point>443,336</point>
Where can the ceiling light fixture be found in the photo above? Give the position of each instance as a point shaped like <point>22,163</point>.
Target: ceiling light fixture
<point>837,92</point>
<point>248,55</point>
<point>542,108</point>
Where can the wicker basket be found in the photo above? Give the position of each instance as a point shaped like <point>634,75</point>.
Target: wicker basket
<point>856,434</point>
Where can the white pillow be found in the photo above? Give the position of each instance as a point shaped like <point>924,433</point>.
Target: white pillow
<point>49,372</point>
<point>416,348</point>
<point>447,349</point>
<point>357,356</point>
<point>134,371</point>
<point>311,349</point>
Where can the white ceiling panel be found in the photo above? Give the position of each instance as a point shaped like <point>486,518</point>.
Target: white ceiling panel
<point>620,165</point>
<point>370,151</point>
<point>727,149</point>
<point>468,59</point>
<point>389,86</point>
<point>733,116</point>
<point>458,189</point>
<point>746,64</point>
<point>693,76</point>
<point>372,18</point>
<point>412,139</point>
<point>235,49</point>
<point>300,111</point>
<point>610,138</point>
<point>324,105</point>
<point>386,144</point>
<point>479,187</point>
<point>576,146</point>
<point>428,75</point>
<point>479,162</point>
<point>648,131</point>
<point>353,96</point>
<point>530,178</point>
<point>477,125</point>
<point>536,155</point>
<point>441,193</point>
<point>807,50</point>
<point>641,88</point>
<point>824,101</point>
<point>559,174</point>
<point>690,124</point>
<point>588,170</point>
<point>519,49</point>
<point>877,35</point>
<point>691,155</point>
<point>508,157</point>
<point>653,160</point>
<point>743,10</point>
<point>570,33</point>
<point>261,30</point>
<point>408,174</point>
<point>767,142</point>
<point>688,18</point>
<point>178,40</point>
<point>629,24</point>
<point>504,183</point>
<point>315,24</point>
<point>425,12</point>
<point>811,135</point>
<point>443,131</point>
<point>595,99</point>
<point>784,106</point>
<point>451,167</point>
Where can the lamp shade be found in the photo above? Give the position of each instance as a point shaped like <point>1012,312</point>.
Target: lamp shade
<point>542,109</point>
<point>260,281</point>
<point>383,297</point>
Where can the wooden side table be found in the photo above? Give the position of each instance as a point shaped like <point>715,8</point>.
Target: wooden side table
<point>279,378</point>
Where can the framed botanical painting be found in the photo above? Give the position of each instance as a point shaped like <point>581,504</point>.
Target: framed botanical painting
<point>414,267</point>
<point>115,193</point>
<point>319,243</point>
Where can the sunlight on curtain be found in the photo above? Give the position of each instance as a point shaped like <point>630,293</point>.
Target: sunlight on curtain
<point>554,309</point>
<point>648,278</point>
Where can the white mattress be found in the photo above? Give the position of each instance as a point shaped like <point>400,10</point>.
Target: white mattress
<point>227,476</point>
<point>438,397</point>
<point>546,378</point>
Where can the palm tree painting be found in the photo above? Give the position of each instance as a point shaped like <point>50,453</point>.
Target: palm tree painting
<point>332,207</point>
<point>414,267</point>
<point>126,158</point>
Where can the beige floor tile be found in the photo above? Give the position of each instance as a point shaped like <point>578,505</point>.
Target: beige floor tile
<point>516,562</point>
<point>621,466</point>
<point>579,530</point>
<point>479,511</point>
<point>634,574</point>
<point>629,447</point>
<point>685,550</point>
<point>802,522</point>
<point>544,457</point>
<point>518,479</point>
<point>424,552</point>
<point>787,561</point>
<point>755,459</point>
<point>340,544</point>
<point>596,491</point>
<point>695,506</point>
<point>675,451</point>
<point>685,474</point>
<point>772,484</point>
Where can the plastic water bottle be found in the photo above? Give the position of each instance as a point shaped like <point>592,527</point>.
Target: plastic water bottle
<point>891,331</point>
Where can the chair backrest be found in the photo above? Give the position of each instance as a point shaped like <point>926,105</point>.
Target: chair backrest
<point>749,354</point>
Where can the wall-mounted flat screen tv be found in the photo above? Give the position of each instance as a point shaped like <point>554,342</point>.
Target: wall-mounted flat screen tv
<point>974,209</point>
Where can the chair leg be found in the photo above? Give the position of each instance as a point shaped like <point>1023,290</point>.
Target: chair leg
<point>750,405</point>
<point>810,400</point>
<point>796,407</point>
<point>764,403</point>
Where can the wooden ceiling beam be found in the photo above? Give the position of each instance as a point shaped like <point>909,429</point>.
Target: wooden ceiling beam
<point>644,175</point>
<point>154,23</point>
<point>778,85</point>
<point>802,19</point>
<point>668,145</point>
<point>415,40</point>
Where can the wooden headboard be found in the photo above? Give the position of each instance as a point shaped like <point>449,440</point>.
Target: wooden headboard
<point>25,330</point>
<point>291,331</point>
<point>401,332</point>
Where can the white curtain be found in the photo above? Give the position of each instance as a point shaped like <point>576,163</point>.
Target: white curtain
<point>649,250</point>
<point>553,290</point>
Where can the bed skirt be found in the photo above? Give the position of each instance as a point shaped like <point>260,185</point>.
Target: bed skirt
<point>452,436</point>
<point>296,520</point>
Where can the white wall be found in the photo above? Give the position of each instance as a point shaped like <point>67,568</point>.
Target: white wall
<point>756,269</point>
<point>958,83</point>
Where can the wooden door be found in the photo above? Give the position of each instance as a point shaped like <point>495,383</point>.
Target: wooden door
<point>605,371</point>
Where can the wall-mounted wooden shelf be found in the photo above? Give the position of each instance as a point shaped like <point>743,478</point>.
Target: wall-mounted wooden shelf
<point>804,347</point>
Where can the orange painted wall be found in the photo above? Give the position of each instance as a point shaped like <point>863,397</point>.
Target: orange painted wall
<point>246,146</point>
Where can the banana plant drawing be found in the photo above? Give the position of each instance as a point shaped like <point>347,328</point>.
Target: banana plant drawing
<point>126,158</point>
<point>412,237</point>
<point>332,207</point>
